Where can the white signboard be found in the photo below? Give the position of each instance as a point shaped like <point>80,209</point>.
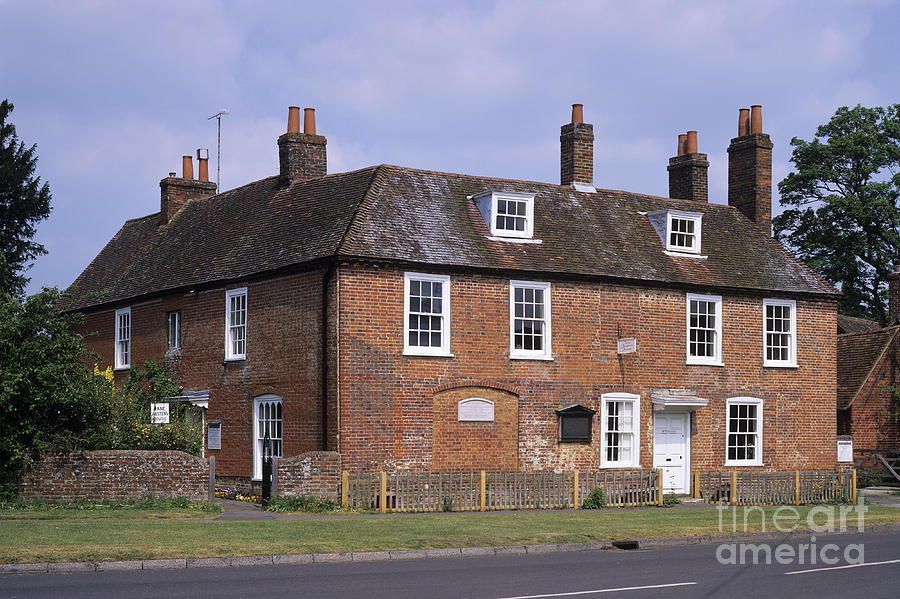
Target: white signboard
<point>628,345</point>
<point>159,413</point>
<point>475,410</point>
<point>214,434</point>
<point>845,451</point>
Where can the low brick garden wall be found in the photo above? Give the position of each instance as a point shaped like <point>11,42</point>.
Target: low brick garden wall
<point>317,473</point>
<point>116,476</point>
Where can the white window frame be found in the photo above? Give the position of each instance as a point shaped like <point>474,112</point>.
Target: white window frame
<point>523,354</point>
<point>635,401</point>
<point>415,350</point>
<point>752,401</point>
<point>173,336</point>
<point>529,214</point>
<point>792,335</point>
<point>256,471</point>
<point>123,358</point>
<point>229,345</point>
<point>715,360</point>
<point>696,218</point>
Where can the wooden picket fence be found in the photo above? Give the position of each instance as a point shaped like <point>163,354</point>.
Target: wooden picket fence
<point>775,488</point>
<point>471,491</point>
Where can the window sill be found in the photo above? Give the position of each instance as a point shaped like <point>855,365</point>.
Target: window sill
<point>540,358</point>
<point>119,368</point>
<point>415,354</point>
<point>496,237</point>
<point>739,464</point>
<point>690,363</point>
<point>607,465</point>
<point>236,359</point>
<point>574,441</point>
<point>682,254</point>
<point>779,365</point>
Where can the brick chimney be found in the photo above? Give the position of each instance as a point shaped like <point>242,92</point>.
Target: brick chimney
<point>688,171</point>
<point>301,155</point>
<point>894,293</point>
<point>750,169</point>
<point>576,149</point>
<point>175,192</point>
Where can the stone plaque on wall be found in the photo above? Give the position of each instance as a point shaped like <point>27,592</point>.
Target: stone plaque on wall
<point>475,410</point>
<point>214,434</point>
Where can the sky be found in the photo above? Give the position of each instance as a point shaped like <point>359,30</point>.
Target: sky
<point>114,93</point>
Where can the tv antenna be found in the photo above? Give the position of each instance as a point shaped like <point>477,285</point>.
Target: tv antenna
<point>218,116</point>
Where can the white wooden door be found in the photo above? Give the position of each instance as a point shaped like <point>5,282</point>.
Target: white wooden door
<point>670,451</point>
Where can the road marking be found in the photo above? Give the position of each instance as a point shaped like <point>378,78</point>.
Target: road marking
<point>893,561</point>
<point>652,586</point>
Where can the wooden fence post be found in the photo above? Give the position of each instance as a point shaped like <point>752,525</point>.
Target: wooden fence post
<point>575,502</point>
<point>383,493</point>
<point>696,488</point>
<point>659,486</point>
<point>734,489</point>
<point>345,488</point>
<point>853,486</point>
<point>212,478</point>
<point>796,487</point>
<point>482,502</point>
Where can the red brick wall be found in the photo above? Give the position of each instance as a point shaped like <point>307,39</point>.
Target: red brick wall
<point>387,400</point>
<point>117,476</point>
<point>475,445</point>
<point>316,473</point>
<point>283,358</point>
<point>874,411</point>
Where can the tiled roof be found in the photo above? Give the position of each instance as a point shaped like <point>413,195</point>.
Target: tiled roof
<point>852,324</point>
<point>413,216</point>
<point>857,355</point>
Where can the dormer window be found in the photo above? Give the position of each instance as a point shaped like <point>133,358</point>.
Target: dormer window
<point>507,214</point>
<point>679,231</point>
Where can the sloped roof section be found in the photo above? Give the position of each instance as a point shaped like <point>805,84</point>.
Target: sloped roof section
<point>857,356</point>
<point>252,229</point>
<point>852,324</point>
<point>415,216</point>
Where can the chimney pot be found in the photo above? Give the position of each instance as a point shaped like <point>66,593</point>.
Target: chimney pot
<point>309,121</point>
<point>293,119</point>
<point>682,144</point>
<point>577,113</point>
<point>691,142</point>
<point>755,119</point>
<point>743,122</point>
<point>187,167</point>
<point>203,164</point>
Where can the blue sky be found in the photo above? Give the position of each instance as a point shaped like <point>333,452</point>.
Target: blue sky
<point>114,93</point>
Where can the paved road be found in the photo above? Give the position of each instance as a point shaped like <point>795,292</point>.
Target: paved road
<point>669,572</point>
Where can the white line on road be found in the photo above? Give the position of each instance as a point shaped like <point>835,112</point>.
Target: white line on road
<point>652,586</point>
<point>893,561</point>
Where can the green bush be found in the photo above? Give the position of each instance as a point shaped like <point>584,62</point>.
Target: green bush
<point>448,504</point>
<point>595,500</point>
<point>301,503</point>
<point>670,499</point>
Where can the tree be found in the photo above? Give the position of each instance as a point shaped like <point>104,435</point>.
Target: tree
<point>843,218</point>
<point>48,396</point>
<point>24,202</point>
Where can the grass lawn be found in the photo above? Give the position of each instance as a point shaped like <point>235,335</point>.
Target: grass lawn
<point>96,540</point>
<point>142,509</point>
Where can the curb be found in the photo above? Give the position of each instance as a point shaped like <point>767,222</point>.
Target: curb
<point>408,554</point>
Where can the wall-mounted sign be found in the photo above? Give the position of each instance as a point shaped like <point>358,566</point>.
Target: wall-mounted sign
<point>475,409</point>
<point>159,413</point>
<point>214,434</point>
<point>845,450</point>
<point>627,345</point>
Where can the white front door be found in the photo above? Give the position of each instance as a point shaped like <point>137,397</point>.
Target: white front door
<point>670,450</point>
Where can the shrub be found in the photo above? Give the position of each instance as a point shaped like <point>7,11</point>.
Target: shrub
<point>670,499</point>
<point>448,504</point>
<point>595,500</point>
<point>301,503</point>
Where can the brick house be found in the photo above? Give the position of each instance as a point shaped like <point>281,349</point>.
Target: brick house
<point>868,366</point>
<point>411,319</point>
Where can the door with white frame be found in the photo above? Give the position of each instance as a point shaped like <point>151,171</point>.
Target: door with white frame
<point>266,421</point>
<point>671,450</point>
